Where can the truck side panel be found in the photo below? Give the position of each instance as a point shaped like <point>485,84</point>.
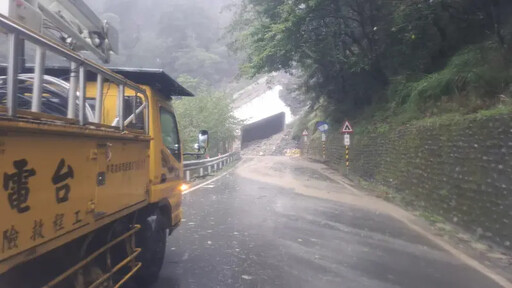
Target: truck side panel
<point>54,185</point>
<point>125,167</point>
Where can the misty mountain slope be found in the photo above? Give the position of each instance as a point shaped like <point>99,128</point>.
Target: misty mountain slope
<point>181,37</point>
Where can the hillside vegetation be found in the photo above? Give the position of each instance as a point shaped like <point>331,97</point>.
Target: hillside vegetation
<point>382,61</point>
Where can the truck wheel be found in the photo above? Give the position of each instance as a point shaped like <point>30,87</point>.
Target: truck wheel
<point>152,240</point>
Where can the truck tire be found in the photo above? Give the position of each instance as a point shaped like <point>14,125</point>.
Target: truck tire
<point>152,240</point>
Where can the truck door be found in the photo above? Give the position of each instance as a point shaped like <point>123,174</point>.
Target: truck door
<point>168,150</point>
<point>170,147</point>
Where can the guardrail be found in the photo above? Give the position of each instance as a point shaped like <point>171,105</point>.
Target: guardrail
<point>201,168</point>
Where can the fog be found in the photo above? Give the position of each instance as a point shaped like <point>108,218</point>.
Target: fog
<point>179,36</point>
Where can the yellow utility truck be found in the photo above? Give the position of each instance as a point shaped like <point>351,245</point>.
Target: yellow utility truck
<point>90,158</point>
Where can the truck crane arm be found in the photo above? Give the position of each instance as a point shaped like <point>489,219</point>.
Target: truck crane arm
<point>77,26</point>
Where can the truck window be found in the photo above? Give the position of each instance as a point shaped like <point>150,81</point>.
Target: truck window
<point>170,134</point>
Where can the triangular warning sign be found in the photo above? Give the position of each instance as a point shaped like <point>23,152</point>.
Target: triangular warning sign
<point>305,133</point>
<point>346,128</point>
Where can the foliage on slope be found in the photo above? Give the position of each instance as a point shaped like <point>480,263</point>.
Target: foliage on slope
<point>407,59</point>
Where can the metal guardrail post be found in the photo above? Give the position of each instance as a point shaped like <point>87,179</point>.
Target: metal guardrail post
<point>99,99</point>
<point>120,106</point>
<point>146,115</point>
<point>134,108</point>
<point>82,94</point>
<point>37,89</point>
<point>73,83</point>
<point>12,73</point>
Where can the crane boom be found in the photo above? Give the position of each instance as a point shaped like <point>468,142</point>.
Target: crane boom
<point>71,22</point>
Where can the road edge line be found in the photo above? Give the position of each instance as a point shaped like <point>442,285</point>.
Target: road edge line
<point>410,221</point>
<point>461,255</point>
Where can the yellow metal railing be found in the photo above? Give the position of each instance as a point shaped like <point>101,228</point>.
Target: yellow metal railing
<point>79,67</point>
<point>130,259</point>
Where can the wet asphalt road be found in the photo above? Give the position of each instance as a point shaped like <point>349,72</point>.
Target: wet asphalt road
<point>242,232</point>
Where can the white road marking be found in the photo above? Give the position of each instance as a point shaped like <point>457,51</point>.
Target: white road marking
<point>206,183</point>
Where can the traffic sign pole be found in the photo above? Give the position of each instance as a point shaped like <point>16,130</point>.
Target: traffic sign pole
<point>346,156</point>
<point>305,142</point>
<point>323,127</point>
<point>346,129</point>
<point>323,150</point>
<point>324,139</point>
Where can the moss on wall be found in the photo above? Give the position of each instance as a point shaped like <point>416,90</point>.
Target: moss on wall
<point>457,167</point>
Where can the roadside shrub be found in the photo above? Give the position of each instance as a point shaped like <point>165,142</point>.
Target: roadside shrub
<point>476,72</point>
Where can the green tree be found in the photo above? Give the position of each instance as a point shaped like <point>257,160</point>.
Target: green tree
<point>209,110</point>
<point>348,51</point>
<point>330,41</point>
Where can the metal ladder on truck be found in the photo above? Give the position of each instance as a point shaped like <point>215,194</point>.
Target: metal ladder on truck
<point>82,31</point>
<point>93,40</point>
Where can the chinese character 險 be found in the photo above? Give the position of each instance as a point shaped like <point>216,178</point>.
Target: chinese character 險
<point>10,239</point>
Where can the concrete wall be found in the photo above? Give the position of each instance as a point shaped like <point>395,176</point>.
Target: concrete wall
<point>459,169</point>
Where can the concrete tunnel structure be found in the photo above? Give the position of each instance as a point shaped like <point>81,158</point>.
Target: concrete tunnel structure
<point>262,129</point>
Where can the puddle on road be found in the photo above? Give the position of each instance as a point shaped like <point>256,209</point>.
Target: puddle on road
<point>312,174</point>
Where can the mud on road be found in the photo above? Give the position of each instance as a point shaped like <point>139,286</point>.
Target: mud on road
<point>281,222</point>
